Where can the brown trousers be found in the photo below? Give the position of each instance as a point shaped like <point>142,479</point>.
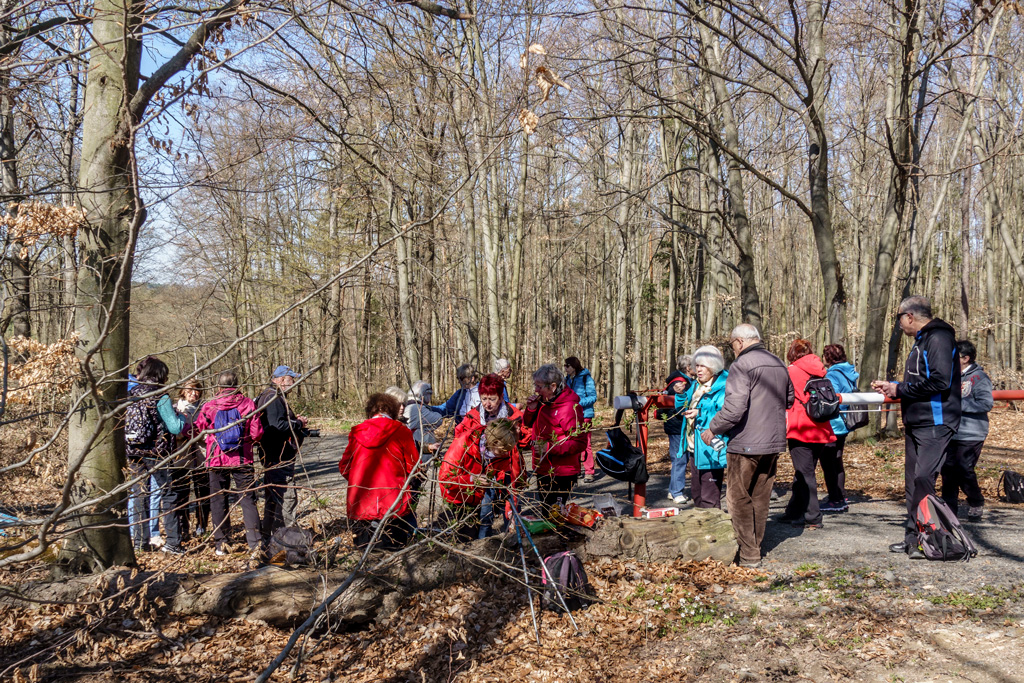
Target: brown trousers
<point>749,481</point>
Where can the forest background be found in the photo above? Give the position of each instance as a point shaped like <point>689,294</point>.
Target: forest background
<point>374,193</point>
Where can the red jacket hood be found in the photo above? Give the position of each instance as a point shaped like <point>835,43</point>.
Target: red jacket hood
<point>375,432</point>
<point>811,366</point>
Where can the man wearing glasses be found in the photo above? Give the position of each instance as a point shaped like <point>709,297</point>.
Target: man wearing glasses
<point>757,394</point>
<point>929,398</point>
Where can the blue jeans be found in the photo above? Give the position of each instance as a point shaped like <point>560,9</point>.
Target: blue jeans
<point>139,502</point>
<point>156,498</point>
<point>677,477</point>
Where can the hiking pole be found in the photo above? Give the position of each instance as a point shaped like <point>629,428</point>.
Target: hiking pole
<point>526,577</point>
<point>544,570</point>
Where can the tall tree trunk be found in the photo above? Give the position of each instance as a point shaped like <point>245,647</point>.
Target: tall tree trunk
<point>824,237</point>
<point>16,318</point>
<point>900,91</point>
<point>750,301</point>
<point>410,350</point>
<point>106,245</point>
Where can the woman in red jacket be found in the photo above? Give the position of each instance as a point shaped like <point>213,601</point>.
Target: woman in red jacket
<point>809,441</point>
<point>377,462</point>
<point>559,437</point>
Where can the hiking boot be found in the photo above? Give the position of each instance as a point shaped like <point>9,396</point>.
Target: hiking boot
<point>774,495</point>
<point>829,506</point>
<point>916,553</point>
<point>751,565</point>
<point>589,479</point>
<point>790,519</point>
<point>172,549</point>
<point>221,551</point>
<point>900,547</point>
<point>974,513</point>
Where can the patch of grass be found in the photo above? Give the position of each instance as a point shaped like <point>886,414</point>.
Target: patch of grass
<point>968,601</point>
<point>808,567</point>
<point>888,454</point>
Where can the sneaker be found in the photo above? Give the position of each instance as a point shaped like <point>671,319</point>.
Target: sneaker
<point>172,549</point>
<point>220,552</point>
<point>829,506</point>
<point>681,499</point>
<point>589,479</point>
<point>974,513</point>
<point>156,541</point>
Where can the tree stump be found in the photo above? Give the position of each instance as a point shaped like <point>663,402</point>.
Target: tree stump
<point>690,535</point>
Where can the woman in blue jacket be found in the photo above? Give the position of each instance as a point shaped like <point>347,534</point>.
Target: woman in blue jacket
<point>843,377</point>
<point>579,380</point>
<point>702,401</point>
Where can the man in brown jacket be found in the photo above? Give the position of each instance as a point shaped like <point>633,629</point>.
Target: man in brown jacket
<point>757,394</point>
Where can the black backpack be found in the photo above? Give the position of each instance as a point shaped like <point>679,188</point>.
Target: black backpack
<point>622,460</point>
<point>939,532</point>
<point>568,578</point>
<point>141,427</point>
<point>822,404</point>
<point>1012,486</point>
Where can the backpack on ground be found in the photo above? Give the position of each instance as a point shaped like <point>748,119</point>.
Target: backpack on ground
<point>1012,486</point>
<point>939,532</point>
<point>290,546</point>
<point>228,425</point>
<point>822,404</point>
<point>622,460</point>
<point>568,578</point>
<point>855,419</point>
<point>140,426</point>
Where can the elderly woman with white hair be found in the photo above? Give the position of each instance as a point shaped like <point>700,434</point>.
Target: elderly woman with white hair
<point>700,403</point>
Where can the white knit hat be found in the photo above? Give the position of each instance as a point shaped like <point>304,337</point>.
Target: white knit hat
<point>710,357</point>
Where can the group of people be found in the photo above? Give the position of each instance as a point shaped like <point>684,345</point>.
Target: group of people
<point>730,426</point>
<point>727,430</point>
<point>482,472</point>
<point>168,469</point>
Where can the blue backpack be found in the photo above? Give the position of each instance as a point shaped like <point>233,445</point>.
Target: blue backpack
<point>228,425</point>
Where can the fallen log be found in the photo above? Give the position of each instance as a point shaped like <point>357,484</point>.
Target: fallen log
<point>284,597</point>
<point>690,535</point>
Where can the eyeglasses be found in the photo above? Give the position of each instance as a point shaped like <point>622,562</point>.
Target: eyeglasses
<point>899,316</point>
<point>733,341</point>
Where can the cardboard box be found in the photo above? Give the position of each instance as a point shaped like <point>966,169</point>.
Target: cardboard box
<point>654,513</point>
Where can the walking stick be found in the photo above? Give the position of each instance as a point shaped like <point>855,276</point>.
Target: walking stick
<point>544,569</point>
<point>526,576</point>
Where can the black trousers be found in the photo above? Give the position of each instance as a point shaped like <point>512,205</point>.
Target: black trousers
<point>834,472</point>
<point>220,484</point>
<point>173,483</point>
<point>199,484</point>
<point>804,501</point>
<point>958,474</point>
<point>276,481</point>
<point>925,455</point>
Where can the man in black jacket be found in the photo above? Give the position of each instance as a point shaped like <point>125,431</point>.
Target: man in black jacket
<point>929,398</point>
<point>282,436</point>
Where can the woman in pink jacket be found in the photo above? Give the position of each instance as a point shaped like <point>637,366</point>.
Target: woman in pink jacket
<point>809,441</point>
<point>234,427</point>
<point>559,435</point>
